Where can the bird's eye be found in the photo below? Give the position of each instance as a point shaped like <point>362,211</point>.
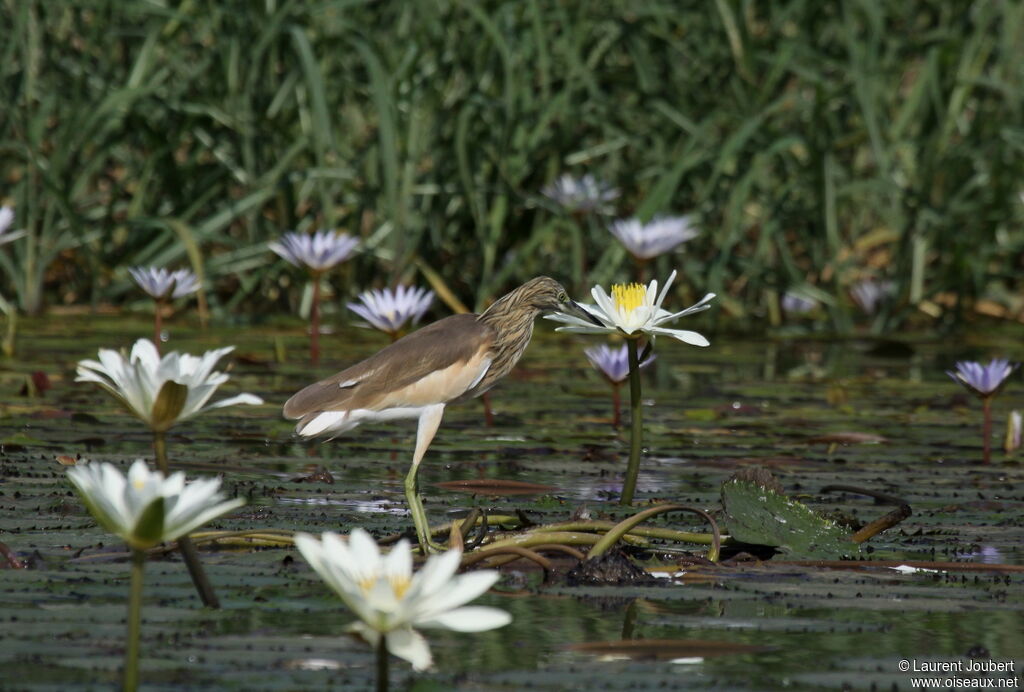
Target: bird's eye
<point>563,298</point>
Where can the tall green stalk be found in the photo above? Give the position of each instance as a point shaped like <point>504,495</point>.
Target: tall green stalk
<point>131,649</point>
<point>637,420</point>
<point>185,545</point>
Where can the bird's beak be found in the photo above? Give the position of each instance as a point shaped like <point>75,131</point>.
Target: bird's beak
<point>582,312</point>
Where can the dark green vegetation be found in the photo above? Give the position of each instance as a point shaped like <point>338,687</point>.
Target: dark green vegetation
<point>816,143</point>
<point>732,406</point>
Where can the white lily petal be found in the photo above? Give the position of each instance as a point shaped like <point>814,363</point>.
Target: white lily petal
<point>692,338</point>
<point>469,619</point>
<point>385,598</point>
<point>409,644</point>
<point>119,503</point>
<point>137,379</point>
<point>664,291</point>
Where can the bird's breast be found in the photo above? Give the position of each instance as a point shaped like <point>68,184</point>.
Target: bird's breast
<point>442,385</point>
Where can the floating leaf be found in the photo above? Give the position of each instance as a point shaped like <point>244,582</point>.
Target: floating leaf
<point>759,515</point>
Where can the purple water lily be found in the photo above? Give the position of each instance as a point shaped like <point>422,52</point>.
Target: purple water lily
<point>983,380</point>
<point>317,252</point>
<point>794,303</point>
<point>613,363</point>
<point>389,311</point>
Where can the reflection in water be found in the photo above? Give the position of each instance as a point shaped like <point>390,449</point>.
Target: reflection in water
<point>359,506</point>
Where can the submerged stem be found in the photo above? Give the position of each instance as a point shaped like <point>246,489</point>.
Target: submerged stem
<point>131,649</point>
<point>185,546</point>
<point>636,432</point>
<point>382,663</point>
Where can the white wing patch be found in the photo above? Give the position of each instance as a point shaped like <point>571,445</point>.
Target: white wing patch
<point>480,377</point>
<point>335,423</point>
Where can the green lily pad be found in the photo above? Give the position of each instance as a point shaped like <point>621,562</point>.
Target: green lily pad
<point>760,515</point>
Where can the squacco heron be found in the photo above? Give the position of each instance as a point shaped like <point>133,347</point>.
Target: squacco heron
<point>455,358</point>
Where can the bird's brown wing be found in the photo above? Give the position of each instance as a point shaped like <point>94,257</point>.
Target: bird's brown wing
<point>372,383</point>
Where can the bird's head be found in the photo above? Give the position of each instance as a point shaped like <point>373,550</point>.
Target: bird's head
<point>544,294</point>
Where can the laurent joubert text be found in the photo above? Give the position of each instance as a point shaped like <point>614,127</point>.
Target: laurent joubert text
<point>960,666</point>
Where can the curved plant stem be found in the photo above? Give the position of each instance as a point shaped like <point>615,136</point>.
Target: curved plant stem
<point>637,531</point>
<point>623,527</point>
<point>637,429</point>
<point>314,322</point>
<point>131,649</point>
<point>515,550</point>
<point>528,540</point>
<point>188,550</point>
<point>559,548</point>
<point>382,663</point>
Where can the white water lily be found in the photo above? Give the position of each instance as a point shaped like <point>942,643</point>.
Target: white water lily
<point>147,508</point>
<point>162,284</point>
<point>139,381</point>
<point>656,237</point>
<point>632,310</point>
<point>580,194</point>
<point>391,601</point>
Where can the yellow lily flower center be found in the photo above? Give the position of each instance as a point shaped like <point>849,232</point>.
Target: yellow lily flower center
<point>628,297</point>
<point>399,585</point>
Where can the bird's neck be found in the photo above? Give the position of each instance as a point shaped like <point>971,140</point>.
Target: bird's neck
<point>508,316</point>
<point>512,323</point>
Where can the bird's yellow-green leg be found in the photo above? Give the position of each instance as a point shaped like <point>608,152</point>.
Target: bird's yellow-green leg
<point>429,420</point>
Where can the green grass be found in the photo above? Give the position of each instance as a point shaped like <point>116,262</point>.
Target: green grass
<point>816,143</point>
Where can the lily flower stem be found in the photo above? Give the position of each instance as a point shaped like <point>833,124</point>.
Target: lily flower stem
<point>314,322</point>
<point>158,322</point>
<point>986,429</point>
<point>131,650</point>
<point>616,405</point>
<point>636,436</point>
<point>382,663</point>
<point>188,550</point>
